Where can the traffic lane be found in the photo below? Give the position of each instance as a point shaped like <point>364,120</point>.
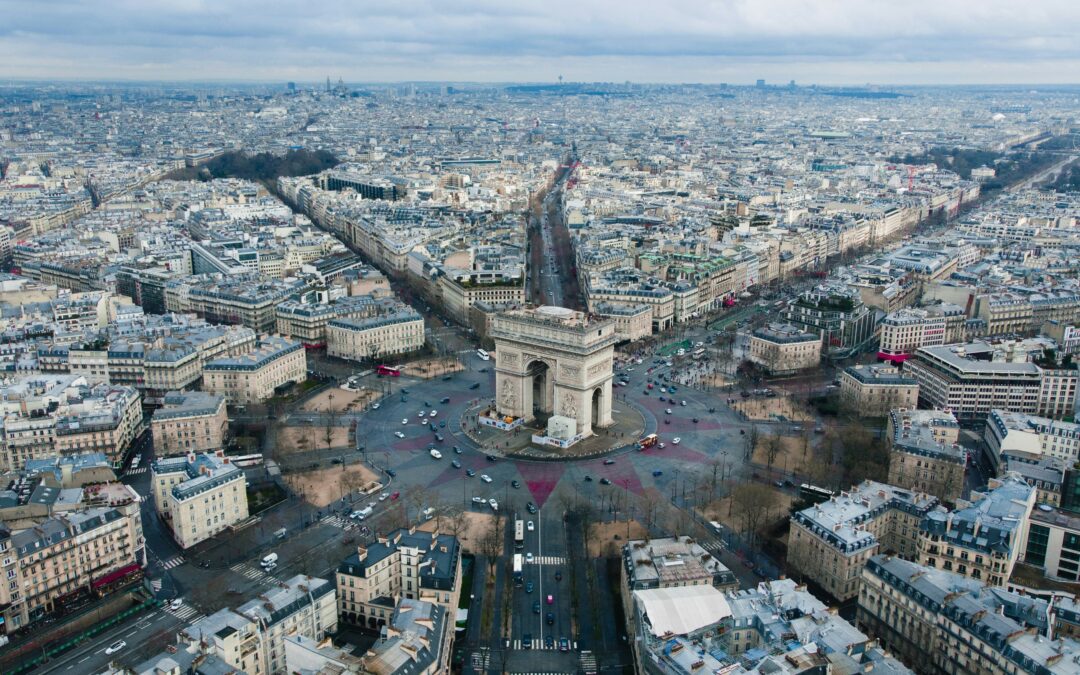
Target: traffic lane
<point>160,629</point>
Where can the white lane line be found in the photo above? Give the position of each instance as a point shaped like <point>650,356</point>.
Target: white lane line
<point>132,633</point>
<point>87,658</point>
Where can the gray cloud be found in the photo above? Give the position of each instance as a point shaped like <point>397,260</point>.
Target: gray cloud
<point>643,40</point>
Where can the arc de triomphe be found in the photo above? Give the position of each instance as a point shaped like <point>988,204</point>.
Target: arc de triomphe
<point>555,361</point>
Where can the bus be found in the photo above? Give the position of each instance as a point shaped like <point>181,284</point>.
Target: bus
<point>483,355</point>
<point>390,371</point>
<point>519,535</point>
<point>698,353</point>
<point>517,569</point>
<point>647,441</point>
<point>814,494</point>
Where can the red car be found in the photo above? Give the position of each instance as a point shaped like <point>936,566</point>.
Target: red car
<point>395,495</point>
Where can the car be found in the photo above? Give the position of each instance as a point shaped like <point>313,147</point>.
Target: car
<point>526,641</point>
<point>391,473</point>
<point>444,400</point>
<point>420,414</point>
<point>515,484</point>
<point>456,464</point>
<point>176,604</point>
<point>493,504</point>
<point>426,404</point>
<point>676,440</point>
<point>529,557</point>
<point>536,607</point>
<point>658,472</point>
<point>442,424</point>
<point>474,385</point>
<point>439,437</point>
<point>470,473</point>
<point>337,460</point>
<point>695,420</point>
<point>558,575</point>
<point>605,481</point>
<point>115,647</point>
<point>433,413</point>
<point>457,450</point>
<point>375,406</point>
<point>483,370</point>
<point>394,496</point>
<point>551,599</point>
<point>404,421</point>
<point>778,483</point>
<point>661,446</point>
<point>404,398</point>
<point>588,478</point>
<point>549,642</point>
<point>550,618</point>
<point>479,500</point>
<point>668,411</point>
<point>486,478</point>
<point>646,392</point>
<point>404,391</point>
<point>529,587</point>
<point>399,434</point>
<point>609,462</point>
<point>530,526</point>
<point>564,645</point>
<point>383,496</point>
<point>682,402</point>
<point>530,507</point>
<point>431,426</point>
<point>661,399</point>
<point>667,420</point>
<point>491,458</point>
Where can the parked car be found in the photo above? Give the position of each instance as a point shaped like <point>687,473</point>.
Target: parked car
<point>479,500</point>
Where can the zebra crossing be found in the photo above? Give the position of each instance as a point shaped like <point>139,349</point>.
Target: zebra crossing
<point>712,546</point>
<point>548,560</point>
<point>155,584</point>
<point>175,561</point>
<point>538,645</point>
<point>186,613</point>
<point>135,472</point>
<point>481,660</point>
<point>334,520</point>
<point>247,571</point>
<point>588,663</point>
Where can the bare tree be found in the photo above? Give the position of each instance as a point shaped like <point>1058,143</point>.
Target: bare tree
<point>457,521</point>
<point>774,444</point>
<point>752,503</point>
<point>491,545</point>
<point>418,498</point>
<point>752,440</point>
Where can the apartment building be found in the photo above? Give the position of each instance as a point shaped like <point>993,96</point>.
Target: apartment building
<point>417,641</point>
<point>783,349</point>
<point>831,541</point>
<point>984,539</point>
<point>905,330</point>
<point>967,380</point>
<point>1032,436</point>
<point>836,314</point>
<point>253,377</point>
<point>51,415</point>
<point>632,322</point>
<point>406,564</point>
<point>924,455</point>
<point>1053,542</point>
<point>356,339</point>
<point>458,296</point>
<point>674,561</point>
<point>307,321</point>
<point>876,390</point>
<point>189,421</point>
<point>1005,313</point>
<point>252,637</point>
<point>942,623</point>
<point>235,300</point>
<point>198,495</point>
<point>62,560</point>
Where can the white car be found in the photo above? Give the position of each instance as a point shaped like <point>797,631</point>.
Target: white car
<point>404,421</point>
<point>115,647</point>
<point>383,496</point>
<point>528,557</point>
<point>420,414</point>
<point>683,402</point>
<point>493,504</point>
<point>478,500</point>
<point>676,440</point>
<point>486,478</point>
<point>399,434</point>
<point>661,446</point>
<point>668,411</point>
<point>375,406</point>
<point>530,527</point>
<point>432,413</point>
<point>176,604</point>
<point>435,454</point>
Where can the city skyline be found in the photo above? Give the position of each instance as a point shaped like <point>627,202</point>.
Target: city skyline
<point>841,43</point>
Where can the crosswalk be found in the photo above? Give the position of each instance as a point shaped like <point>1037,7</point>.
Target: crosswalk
<point>175,561</point>
<point>335,520</point>
<point>712,546</point>
<point>548,560</point>
<point>155,584</point>
<point>538,644</point>
<point>588,663</point>
<point>135,472</point>
<point>481,660</point>
<point>186,613</point>
<point>247,571</point>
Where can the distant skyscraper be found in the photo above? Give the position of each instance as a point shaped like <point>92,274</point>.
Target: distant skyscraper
<point>327,84</point>
<point>291,86</point>
<point>760,84</point>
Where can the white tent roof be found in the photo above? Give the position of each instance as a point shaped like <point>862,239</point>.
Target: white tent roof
<point>683,609</point>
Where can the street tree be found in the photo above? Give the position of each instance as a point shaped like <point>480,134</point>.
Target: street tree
<point>752,503</point>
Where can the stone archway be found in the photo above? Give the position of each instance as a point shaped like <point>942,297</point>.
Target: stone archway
<point>552,361</point>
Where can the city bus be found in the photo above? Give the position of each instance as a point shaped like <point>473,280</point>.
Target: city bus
<point>519,535</point>
<point>391,371</point>
<point>483,355</point>
<point>517,569</point>
<point>647,441</point>
<point>698,353</point>
<point>814,493</point>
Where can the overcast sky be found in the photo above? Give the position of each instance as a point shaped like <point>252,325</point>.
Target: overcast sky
<point>736,41</point>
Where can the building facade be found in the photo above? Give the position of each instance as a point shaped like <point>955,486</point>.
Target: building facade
<point>253,377</point>
<point>783,349</point>
<point>192,421</point>
<point>924,455</point>
<point>198,496</point>
<point>357,339</point>
<point>876,390</point>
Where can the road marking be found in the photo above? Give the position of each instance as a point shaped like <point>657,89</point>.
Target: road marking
<point>132,633</point>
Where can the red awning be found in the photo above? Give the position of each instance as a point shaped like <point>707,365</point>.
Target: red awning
<point>116,574</point>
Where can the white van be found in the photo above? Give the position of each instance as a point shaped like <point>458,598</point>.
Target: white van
<point>269,559</point>
<point>428,513</point>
